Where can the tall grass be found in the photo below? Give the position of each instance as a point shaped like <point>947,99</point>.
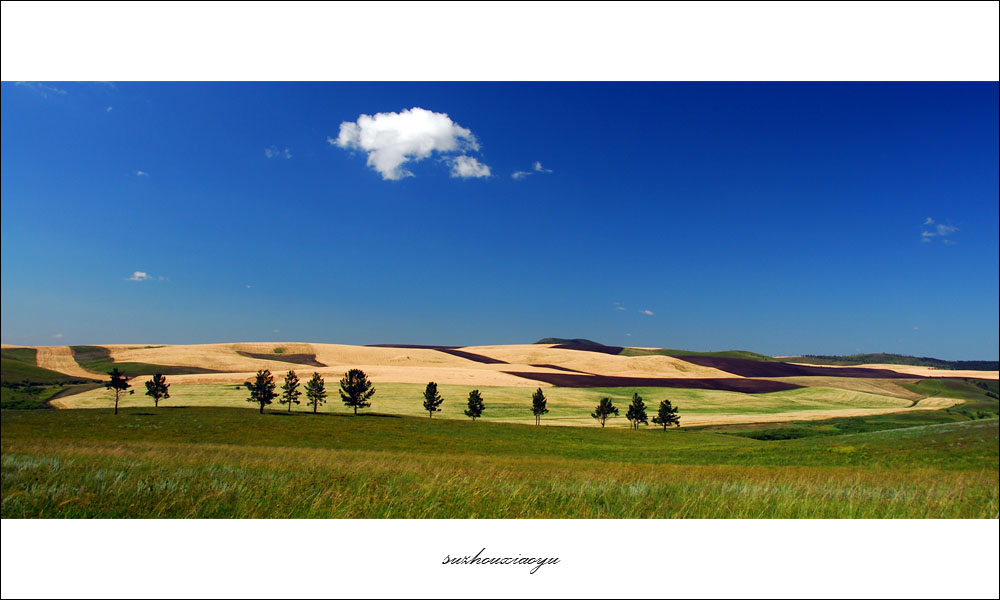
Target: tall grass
<point>222,463</point>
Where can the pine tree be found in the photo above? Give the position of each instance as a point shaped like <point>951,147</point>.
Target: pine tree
<point>290,390</point>
<point>118,384</point>
<point>356,389</point>
<point>538,403</point>
<point>262,389</point>
<point>316,391</point>
<point>158,389</point>
<point>667,415</point>
<point>476,406</point>
<point>637,411</point>
<point>604,409</point>
<point>432,399</point>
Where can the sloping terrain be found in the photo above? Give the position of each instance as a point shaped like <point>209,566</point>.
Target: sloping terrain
<point>757,368</point>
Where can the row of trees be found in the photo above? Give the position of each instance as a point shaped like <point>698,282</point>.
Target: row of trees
<point>356,391</point>
<point>157,388</point>
<point>666,414</point>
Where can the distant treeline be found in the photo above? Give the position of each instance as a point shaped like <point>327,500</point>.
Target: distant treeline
<point>897,359</point>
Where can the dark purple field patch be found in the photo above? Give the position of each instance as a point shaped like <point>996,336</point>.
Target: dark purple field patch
<point>744,386</point>
<point>558,368</point>
<point>756,368</point>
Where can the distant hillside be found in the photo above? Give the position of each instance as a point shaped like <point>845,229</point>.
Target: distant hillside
<point>18,366</point>
<point>569,342</point>
<point>721,353</point>
<point>897,359</point>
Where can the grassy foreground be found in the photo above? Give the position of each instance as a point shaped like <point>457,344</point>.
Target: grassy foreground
<point>228,462</point>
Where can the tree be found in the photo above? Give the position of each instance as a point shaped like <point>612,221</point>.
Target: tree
<point>432,399</point>
<point>316,391</point>
<point>290,390</point>
<point>604,409</point>
<point>538,405</point>
<point>667,415</point>
<point>476,407</point>
<point>262,389</point>
<point>157,388</point>
<point>118,384</point>
<point>356,390</point>
<point>637,411</point>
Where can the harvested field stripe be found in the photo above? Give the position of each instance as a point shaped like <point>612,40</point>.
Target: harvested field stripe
<point>60,358</point>
<point>756,368</point>
<point>572,380</point>
<point>297,359</point>
<point>452,350</point>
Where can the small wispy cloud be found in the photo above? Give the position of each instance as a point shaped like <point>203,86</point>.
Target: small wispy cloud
<point>57,336</point>
<point>144,276</point>
<point>647,312</point>
<point>275,152</point>
<point>933,229</point>
<point>141,174</point>
<point>468,167</point>
<point>393,139</point>
<point>618,306</point>
<point>109,109</point>
<point>535,168</point>
<point>43,89</point>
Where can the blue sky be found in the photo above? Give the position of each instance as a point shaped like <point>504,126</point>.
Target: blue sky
<point>778,217</point>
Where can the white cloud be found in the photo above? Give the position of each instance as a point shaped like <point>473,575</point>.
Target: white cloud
<point>934,229</point>
<point>467,166</point>
<point>618,306</point>
<point>141,174</point>
<point>647,312</point>
<point>393,139</point>
<point>58,336</point>
<point>109,109</point>
<point>535,168</point>
<point>140,276</point>
<point>43,89</point>
<point>275,152</point>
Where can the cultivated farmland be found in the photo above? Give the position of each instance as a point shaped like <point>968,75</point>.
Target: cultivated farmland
<point>758,437</point>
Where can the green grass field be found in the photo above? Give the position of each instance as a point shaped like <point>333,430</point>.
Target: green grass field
<point>226,462</point>
<point>567,406</point>
<point>25,385</point>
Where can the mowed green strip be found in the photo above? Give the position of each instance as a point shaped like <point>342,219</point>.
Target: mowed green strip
<point>513,404</point>
<point>219,462</point>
